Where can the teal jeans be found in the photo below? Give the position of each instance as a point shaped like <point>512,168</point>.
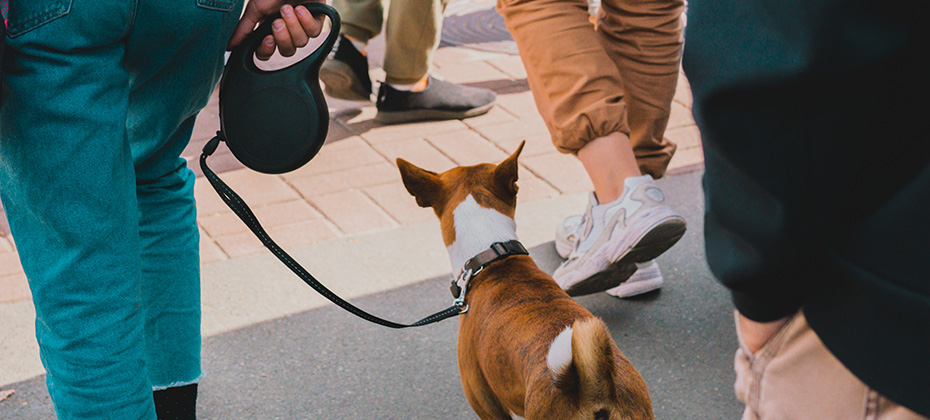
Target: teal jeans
<point>99,99</point>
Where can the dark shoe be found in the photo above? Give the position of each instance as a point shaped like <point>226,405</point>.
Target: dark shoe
<point>176,403</point>
<point>345,73</point>
<point>439,101</point>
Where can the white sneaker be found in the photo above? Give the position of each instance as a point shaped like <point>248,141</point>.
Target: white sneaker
<point>613,237</point>
<point>566,234</point>
<point>647,277</point>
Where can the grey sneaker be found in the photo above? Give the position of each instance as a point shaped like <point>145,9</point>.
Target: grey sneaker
<point>440,100</point>
<point>647,277</point>
<point>612,238</point>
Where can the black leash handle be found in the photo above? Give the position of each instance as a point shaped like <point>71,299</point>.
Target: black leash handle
<point>238,206</point>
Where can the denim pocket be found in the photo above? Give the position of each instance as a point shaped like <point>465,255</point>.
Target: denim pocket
<point>221,5</point>
<point>24,16</point>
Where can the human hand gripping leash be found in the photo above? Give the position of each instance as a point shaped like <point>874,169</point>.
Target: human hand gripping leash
<point>275,122</point>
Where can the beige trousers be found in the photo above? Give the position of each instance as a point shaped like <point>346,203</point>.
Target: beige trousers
<point>794,377</point>
<point>590,81</point>
<point>411,35</point>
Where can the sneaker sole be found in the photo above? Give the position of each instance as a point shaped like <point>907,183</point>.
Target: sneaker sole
<point>339,81</point>
<point>645,280</point>
<point>662,236</point>
<point>630,289</point>
<point>397,117</point>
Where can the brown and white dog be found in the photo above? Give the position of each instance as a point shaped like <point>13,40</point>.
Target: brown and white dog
<point>526,350</point>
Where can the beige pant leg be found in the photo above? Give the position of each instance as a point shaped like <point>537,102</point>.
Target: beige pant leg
<point>413,31</point>
<point>644,40</point>
<point>794,377</point>
<point>574,82</point>
<point>362,20</point>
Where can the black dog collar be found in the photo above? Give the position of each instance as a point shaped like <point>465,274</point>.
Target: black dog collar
<point>477,263</point>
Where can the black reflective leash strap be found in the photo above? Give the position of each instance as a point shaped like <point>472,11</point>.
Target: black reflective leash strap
<point>238,206</point>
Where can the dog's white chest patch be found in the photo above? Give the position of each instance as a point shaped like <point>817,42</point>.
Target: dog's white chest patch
<point>476,228</point>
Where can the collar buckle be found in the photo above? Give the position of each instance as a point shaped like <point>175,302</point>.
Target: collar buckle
<point>460,291</point>
<point>477,263</point>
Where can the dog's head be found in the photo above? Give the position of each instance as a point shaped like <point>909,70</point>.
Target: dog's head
<point>492,186</point>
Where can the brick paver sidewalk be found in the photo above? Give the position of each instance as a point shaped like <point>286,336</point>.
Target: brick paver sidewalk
<point>353,187</point>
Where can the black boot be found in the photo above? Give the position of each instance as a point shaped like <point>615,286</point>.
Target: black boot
<point>178,403</point>
<point>345,73</point>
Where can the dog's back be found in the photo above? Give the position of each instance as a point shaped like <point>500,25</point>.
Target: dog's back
<point>525,343</point>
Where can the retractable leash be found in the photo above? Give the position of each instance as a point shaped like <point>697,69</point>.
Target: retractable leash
<point>275,122</point>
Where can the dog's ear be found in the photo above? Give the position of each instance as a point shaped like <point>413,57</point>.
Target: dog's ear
<point>424,185</point>
<point>505,175</point>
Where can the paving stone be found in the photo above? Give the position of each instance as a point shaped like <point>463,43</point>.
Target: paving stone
<point>272,215</point>
<point>9,263</point>
<point>208,202</point>
<point>379,133</point>
<point>239,245</point>
<point>346,144</point>
<point>339,156</point>
<point>684,137</point>
<point>495,115</point>
<point>353,212</point>
<point>511,65</point>
<point>209,250</point>
<point>686,158</point>
<point>4,224</point>
<point>514,130</point>
<point>536,144</point>
<point>532,188</point>
<point>416,151</point>
<point>337,132</point>
<point>255,188</point>
<point>208,120</point>
<point>683,91</point>
<point>679,117</point>
<point>357,119</point>
<point>466,147</point>
<point>5,244</point>
<point>520,104</point>
<point>398,203</point>
<point>354,178</point>
<point>457,56</point>
<point>259,189</point>
<point>562,171</point>
<point>471,72</point>
<point>302,233</point>
<point>14,288</point>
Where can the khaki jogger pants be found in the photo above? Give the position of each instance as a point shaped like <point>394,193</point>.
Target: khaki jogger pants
<point>794,377</point>
<point>412,33</point>
<point>590,82</point>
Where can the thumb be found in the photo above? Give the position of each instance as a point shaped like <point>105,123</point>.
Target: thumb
<point>251,17</point>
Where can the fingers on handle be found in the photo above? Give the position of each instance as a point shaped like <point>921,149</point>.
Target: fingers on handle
<point>312,25</point>
<point>266,49</point>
